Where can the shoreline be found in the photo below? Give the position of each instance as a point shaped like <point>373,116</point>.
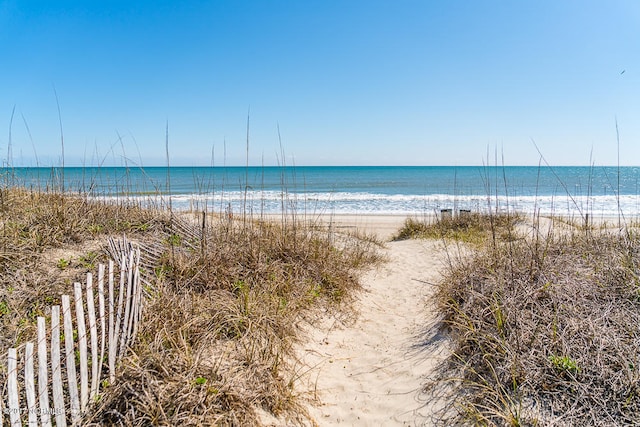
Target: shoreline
<point>386,226</point>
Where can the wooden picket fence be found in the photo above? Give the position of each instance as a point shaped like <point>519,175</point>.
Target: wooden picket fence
<point>92,339</point>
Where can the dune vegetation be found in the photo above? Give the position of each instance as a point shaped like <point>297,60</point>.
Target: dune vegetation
<point>544,323</point>
<point>224,299</point>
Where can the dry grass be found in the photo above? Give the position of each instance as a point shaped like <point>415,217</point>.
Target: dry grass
<point>545,331</point>
<point>48,241</point>
<point>216,339</point>
<point>471,227</point>
<point>219,333</point>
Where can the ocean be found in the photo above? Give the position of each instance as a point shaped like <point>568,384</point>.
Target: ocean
<point>571,191</point>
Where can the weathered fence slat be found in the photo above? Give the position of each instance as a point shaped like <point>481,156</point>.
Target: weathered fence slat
<point>111,320</point>
<point>56,368</point>
<point>43,377</point>
<point>101,308</point>
<point>119,312</point>
<point>112,326</point>
<point>30,384</point>
<point>93,331</point>
<point>138,296</point>
<point>12,388</point>
<point>70,359</point>
<point>127,305</point>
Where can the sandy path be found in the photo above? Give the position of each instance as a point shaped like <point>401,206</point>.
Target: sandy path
<point>370,370</point>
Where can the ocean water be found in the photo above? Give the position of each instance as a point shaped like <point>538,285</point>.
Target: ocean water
<point>599,191</point>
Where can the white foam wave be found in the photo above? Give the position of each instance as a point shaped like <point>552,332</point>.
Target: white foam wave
<point>368,203</point>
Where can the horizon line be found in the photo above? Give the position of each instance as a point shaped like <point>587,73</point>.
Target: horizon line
<point>310,166</point>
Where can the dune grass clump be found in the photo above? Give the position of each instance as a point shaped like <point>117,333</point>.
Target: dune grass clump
<point>545,331</point>
<point>48,241</point>
<point>215,343</point>
<point>468,227</point>
<point>33,221</point>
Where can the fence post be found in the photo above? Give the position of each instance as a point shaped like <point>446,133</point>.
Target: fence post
<point>103,330</point>
<point>12,388</point>
<point>43,380</point>
<point>93,331</point>
<point>56,367</point>
<point>30,384</point>
<point>114,323</point>
<point>71,360</point>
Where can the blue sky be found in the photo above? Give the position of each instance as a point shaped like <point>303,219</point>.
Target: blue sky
<point>346,82</point>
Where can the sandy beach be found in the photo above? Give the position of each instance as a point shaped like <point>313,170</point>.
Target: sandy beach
<point>370,369</point>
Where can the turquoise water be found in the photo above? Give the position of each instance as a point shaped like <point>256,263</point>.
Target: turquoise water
<point>362,189</point>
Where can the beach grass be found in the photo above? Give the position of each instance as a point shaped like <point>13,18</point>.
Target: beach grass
<point>226,294</point>
<point>48,241</point>
<point>544,330</point>
<point>468,227</point>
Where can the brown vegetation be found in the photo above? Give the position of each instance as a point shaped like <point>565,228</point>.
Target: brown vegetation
<point>224,301</point>
<point>545,331</point>
<point>48,241</point>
